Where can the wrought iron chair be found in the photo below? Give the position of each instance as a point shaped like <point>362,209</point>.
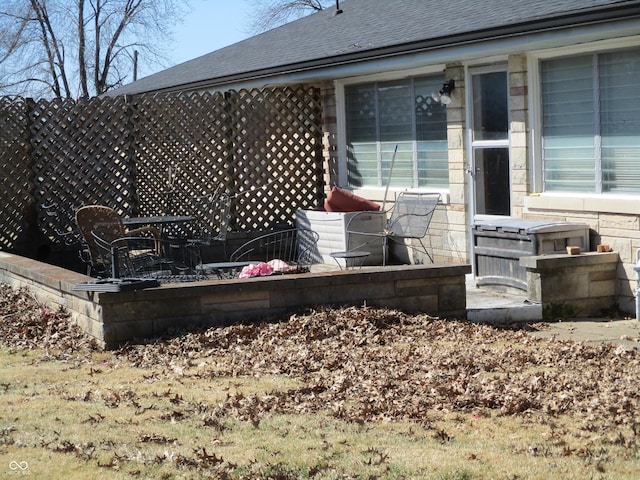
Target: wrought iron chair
<point>101,222</point>
<point>138,257</point>
<point>295,247</point>
<point>409,220</point>
<point>212,221</point>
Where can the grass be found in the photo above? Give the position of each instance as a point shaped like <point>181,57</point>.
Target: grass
<point>96,416</point>
<point>353,393</point>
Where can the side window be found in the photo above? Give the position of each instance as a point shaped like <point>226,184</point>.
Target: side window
<point>591,123</point>
<point>381,115</point>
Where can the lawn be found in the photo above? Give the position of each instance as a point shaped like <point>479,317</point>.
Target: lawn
<point>323,394</point>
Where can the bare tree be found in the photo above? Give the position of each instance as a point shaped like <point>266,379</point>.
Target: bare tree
<point>269,14</point>
<point>80,48</point>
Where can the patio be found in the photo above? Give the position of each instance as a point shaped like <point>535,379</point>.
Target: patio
<point>116,318</point>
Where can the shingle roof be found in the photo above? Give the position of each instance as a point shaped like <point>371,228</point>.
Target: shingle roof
<point>367,28</point>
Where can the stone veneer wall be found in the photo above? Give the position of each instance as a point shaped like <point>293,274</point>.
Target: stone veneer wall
<point>620,231</point>
<point>115,318</point>
<point>453,229</point>
<point>569,286</point>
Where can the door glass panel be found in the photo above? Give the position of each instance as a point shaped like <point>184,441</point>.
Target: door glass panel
<point>490,107</point>
<point>493,191</point>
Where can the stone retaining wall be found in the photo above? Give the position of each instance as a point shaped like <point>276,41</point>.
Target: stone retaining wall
<point>569,286</point>
<point>116,318</point>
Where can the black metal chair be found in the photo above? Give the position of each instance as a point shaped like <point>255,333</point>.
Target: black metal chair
<point>212,221</point>
<point>105,223</point>
<point>296,247</point>
<point>140,257</point>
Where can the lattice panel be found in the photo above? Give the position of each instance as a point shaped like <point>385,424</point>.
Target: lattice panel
<point>182,151</point>
<point>278,152</point>
<point>156,154</point>
<point>17,208</point>
<point>80,157</point>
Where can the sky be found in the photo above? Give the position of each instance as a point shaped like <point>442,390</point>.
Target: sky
<point>211,25</point>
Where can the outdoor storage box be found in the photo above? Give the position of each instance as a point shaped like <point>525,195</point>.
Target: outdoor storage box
<point>332,229</point>
<point>498,245</point>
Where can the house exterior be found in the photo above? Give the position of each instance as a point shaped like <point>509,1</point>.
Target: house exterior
<point>543,120</point>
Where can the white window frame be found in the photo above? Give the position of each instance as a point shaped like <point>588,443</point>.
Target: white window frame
<point>578,202</point>
<point>375,193</point>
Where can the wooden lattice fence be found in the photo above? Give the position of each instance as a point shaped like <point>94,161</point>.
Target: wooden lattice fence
<point>17,211</point>
<point>157,154</point>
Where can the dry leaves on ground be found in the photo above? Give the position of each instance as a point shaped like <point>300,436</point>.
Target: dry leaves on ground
<point>25,323</point>
<point>364,364</point>
<point>369,364</point>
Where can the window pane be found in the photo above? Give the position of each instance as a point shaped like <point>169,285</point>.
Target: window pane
<point>431,135</point>
<point>381,115</point>
<point>402,175</point>
<point>396,111</point>
<point>493,195</point>
<point>568,124</point>
<point>620,121</point>
<point>433,164</point>
<point>569,164</point>
<point>362,164</point>
<point>362,158</point>
<point>361,112</point>
<point>490,109</point>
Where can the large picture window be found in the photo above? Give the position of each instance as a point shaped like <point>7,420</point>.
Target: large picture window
<point>591,123</point>
<point>381,115</point>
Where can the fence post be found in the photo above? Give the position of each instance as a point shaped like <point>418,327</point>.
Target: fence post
<point>131,154</point>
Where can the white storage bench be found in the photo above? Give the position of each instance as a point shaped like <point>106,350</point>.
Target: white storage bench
<point>332,229</point>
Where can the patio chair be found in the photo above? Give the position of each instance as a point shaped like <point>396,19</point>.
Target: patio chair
<point>104,223</point>
<point>139,257</point>
<point>409,220</point>
<point>294,250</point>
<point>212,221</point>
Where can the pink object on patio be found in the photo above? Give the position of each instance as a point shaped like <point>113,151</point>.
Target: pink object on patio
<point>255,270</point>
<point>263,269</point>
<point>281,266</point>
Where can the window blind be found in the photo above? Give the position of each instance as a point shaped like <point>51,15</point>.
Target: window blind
<point>381,115</point>
<point>591,123</point>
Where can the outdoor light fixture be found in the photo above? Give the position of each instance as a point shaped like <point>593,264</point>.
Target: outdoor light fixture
<point>444,95</point>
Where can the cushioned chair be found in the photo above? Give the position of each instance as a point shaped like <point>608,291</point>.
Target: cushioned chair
<point>100,226</point>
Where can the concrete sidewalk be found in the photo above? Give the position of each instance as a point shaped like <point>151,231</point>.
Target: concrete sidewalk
<point>592,330</point>
<point>486,305</point>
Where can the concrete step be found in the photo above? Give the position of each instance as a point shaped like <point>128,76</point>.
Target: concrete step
<point>516,313</point>
<point>485,305</point>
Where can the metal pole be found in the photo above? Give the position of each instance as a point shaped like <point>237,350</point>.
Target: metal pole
<point>386,190</point>
<point>115,268</point>
<point>135,65</point>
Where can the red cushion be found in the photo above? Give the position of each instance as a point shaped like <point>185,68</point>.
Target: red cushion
<point>340,200</point>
